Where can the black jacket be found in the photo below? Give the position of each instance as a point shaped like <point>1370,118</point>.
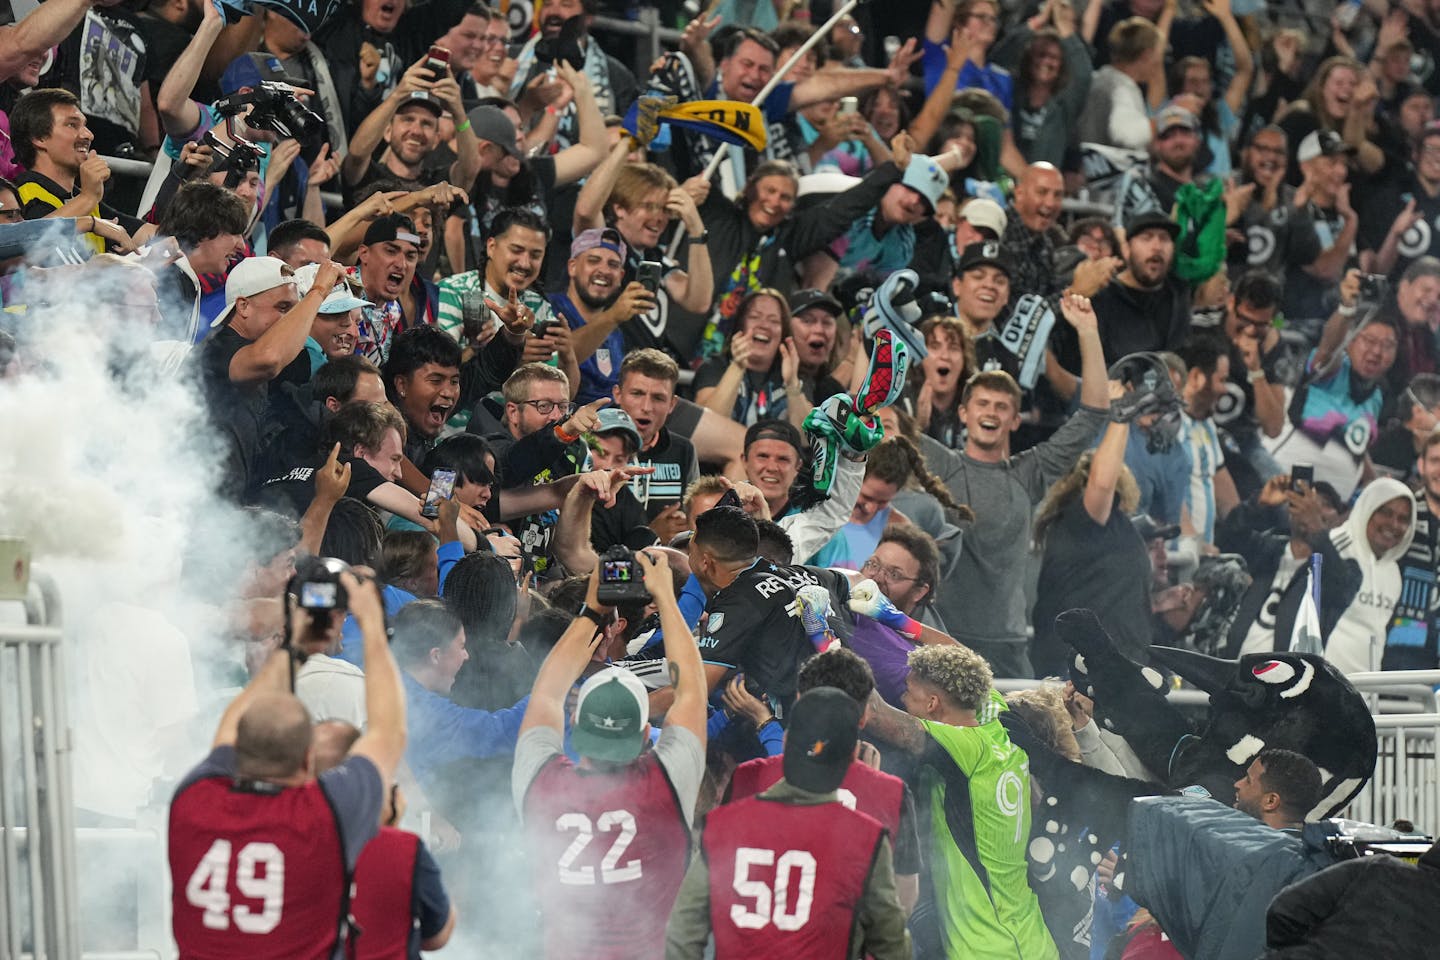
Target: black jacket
<point>1376,905</point>
<point>1131,321</point>
<point>733,236</point>
<point>1249,530</point>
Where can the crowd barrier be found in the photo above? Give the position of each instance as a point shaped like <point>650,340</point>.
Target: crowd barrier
<point>123,892</point>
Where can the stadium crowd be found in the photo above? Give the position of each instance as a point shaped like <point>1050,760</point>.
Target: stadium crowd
<point>626,467</point>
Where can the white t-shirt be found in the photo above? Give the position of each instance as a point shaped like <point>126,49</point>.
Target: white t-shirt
<point>134,679</point>
<point>1260,638</point>
<point>332,689</point>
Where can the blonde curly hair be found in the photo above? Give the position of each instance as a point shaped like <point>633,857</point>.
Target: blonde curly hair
<point>958,672</point>
<point>1043,710</point>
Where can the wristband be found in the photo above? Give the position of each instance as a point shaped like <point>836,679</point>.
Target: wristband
<point>1347,310</point>
<point>593,615</point>
<point>462,127</point>
<point>697,238</point>
<point>550,109</point>
<point>1255,376</point>
<point>563,437</point>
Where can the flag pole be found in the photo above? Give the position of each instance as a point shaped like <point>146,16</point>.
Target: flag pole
<point>765,91</point>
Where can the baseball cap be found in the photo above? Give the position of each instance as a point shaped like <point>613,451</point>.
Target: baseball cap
<point>493,126</point>
<point>1151,529</point>
<point>820,739</point>
<point>607,237</point>
<point>392,226</point>
<point>805,299</point>
<point>615,420</point>
<point>425,100</point>
<point>1151,220</point>
<point>925,177</point>
<point>251,69</point>
<point>985,214</point>
<point>1322,143</point>
<point>252,277</point>
<point>782,430</point>
<point>1173,116</point>
<point>989,253</point>
<point>339,300</point>
<point>612,711</point>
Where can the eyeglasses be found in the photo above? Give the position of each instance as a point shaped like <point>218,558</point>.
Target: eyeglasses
<point>891,574</point>
<point>985,17</point>
<point>546,407</point>
<point>1383,344</point>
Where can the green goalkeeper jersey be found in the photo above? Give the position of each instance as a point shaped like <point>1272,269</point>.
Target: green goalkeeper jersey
<point>978,786</point>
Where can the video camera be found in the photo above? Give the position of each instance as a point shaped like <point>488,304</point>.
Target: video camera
<point>275,108</point>
<point>621,578</point>
<point>235,159</point>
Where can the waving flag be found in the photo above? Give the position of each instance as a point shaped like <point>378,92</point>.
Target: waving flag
<point>726,120</point>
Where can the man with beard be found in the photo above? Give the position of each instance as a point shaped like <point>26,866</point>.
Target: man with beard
<point>384,266</point>
<point>984,602</point>
<point>595,305</point>
<point>528,329</point>
<point>1410,207</point>
<point>1144,308</point>
<point>533,91</point>
<point>1273,233</point>
<point>1324,195</point>
<point>1153,186</point>
<point>1212,493</point>
<point>1031,236</point>
<point>408,122</point>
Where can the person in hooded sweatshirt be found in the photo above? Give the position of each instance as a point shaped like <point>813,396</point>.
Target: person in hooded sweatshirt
<point>1374,537</point>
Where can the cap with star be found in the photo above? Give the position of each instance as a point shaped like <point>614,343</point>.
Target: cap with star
<point>610,716</point>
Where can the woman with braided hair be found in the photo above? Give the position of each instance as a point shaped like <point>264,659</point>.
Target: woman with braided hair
<point>894,463</point>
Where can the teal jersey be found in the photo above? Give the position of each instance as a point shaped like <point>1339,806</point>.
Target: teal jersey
<point>977,784</point>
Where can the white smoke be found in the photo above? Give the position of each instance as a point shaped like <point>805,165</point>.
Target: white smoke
<point>108,472</point>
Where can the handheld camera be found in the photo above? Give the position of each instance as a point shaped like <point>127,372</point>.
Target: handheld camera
<point>621,578</point>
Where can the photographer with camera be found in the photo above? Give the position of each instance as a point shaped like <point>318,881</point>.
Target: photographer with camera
<point>622,782</point>
<point>408,123</point>
<point>252,821</point>
<point>1334,413</point>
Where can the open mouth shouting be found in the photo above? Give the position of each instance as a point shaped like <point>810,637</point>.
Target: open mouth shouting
<point>436,416</point>
<point>394,284</point>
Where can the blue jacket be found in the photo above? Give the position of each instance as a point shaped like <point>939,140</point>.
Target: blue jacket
<point>441,731</point>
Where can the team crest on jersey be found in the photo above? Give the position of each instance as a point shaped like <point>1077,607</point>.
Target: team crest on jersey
<point>717,620</point>
<point>603,363</point>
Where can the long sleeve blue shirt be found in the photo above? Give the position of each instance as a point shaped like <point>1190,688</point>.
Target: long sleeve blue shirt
<point>441,731</point>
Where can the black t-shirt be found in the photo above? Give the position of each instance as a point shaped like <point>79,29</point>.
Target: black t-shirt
<point>292,490</point>
<point>761,395</point>
<point>673,458</point>
<point>164,42</point>
<point>1235,408</point>
<point>430,174</point>
<point>1189,36</point>
<point>748,625</point>
<point>1379,209</point>
<point>1394,452</point>
<point>236,410</point>
<point>1105,568</point>
<point>103,62</point>
<point>1305,298</point>
<point>624,522</point>
<point>1275,239</point>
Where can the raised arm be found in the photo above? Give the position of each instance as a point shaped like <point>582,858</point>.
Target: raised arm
<point>1338,326</point>
<point>695,288</point>
<point>179,115</point>
<point>563,666</point>
<point>895,727</point>
<point>274,677</point>
<point>721,397</point>
<point>689,708</point>
<point>590,204</point>
<point>1094,380</point>
<point>265,357</point>
<point>839,82</point>
<point>331,482</point>
<point>940,21</point>
<point>938,102</point>
<point>588,151</point>
<point>44,27</point>
<point>1105,468</point>
<point>372,129</point>
<point>1238,93</point>
<point>384,738</point>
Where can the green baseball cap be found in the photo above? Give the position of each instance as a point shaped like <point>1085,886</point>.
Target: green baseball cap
<point>610,716</point>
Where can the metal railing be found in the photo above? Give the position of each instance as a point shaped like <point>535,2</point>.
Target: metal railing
<point>39,916</point>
